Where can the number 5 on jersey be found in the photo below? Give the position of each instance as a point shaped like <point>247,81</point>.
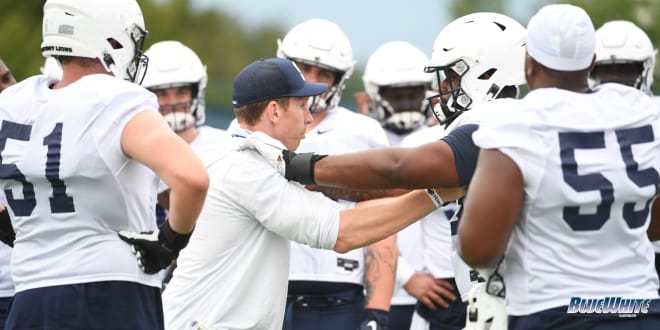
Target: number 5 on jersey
<point>59,201</point>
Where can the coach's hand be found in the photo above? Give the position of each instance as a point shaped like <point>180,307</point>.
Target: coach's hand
<point>374,319</point>
<point>300,167</point>
<point>156,250</point>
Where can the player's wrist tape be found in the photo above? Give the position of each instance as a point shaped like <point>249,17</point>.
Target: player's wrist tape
<point>300,167</point>
<point>435,197</point>
<point>171,239</point>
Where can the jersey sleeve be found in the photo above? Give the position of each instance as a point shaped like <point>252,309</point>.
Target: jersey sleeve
<point>465,151</point>
<point>118,109</point>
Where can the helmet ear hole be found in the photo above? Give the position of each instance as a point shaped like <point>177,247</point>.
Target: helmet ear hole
<point>114,43</point>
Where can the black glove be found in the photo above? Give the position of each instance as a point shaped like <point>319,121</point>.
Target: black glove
<point>374,319</point>
<point>7,234</point>
<point>300,167</point>
<point>156,250</point>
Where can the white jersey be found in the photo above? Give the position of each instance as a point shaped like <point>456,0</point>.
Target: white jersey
<point>409,242</point>
<point>208,146</point>
<point>68,185</point>
<point>464,281</point>
<point>589,174</point>
<point>233,273</point>
<point>436,233</point>
<point>341,131</point>
<point>656,244</point>
<point>6,285</point>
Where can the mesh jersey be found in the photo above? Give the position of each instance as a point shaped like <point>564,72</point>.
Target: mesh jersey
<point>341,131</point>
<point>590,167</point>
<point>656,244</point>
<point>6,285</point>
<point>233,273</point>
<point>67,183</point>
<point>208,146</point>
<point>436,237</point>
<point>459,137</point>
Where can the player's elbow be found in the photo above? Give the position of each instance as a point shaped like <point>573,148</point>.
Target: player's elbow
<point>199,182</point>
<point>346,243</point>
<point>194,183</point>
<point>477,255</point>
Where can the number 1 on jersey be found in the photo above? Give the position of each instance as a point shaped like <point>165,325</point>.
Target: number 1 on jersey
<point>59,202</point>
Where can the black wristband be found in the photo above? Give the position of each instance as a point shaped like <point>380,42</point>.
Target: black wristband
<point>300,167</point>
<point>171,239</point>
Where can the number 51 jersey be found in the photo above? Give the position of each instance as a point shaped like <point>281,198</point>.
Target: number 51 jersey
<point>590,164</point>
<point>67,183</point>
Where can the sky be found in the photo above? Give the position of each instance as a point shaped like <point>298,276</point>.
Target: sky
<point>367,23</point>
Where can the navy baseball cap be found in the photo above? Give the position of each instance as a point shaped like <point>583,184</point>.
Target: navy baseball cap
<point>270,79</point>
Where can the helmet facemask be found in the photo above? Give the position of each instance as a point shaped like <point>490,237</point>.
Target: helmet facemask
<point>330,99</point>
<point>404,110</point>
<point>137,68</point>
<point>452,99</point>
<point>180,116</point>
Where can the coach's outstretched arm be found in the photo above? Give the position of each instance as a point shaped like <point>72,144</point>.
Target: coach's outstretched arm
<point>376,219</point>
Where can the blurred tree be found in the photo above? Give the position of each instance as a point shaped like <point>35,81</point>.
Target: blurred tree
<point>219,40</point>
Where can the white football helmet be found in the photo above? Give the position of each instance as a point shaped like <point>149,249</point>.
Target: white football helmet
<point>173,64</point>
<point>623,42</point>
<point>486,51</point>
<point>398,64</point>
<point>321,43</point>
<point>112,31</point>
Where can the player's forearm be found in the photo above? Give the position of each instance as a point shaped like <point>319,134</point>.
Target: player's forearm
<point>372,169</point>
<point>185,203</point>
<point>380,269</point>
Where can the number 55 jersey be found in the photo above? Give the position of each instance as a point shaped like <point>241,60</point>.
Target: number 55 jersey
<point>67,183</point>
<point>590,164</point>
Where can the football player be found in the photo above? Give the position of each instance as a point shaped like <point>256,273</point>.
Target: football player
<point>78,161</point>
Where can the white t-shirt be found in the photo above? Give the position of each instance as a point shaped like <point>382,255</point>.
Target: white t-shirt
<point>68,186</point>
<point>590,167</point>
<point>233,273</point>
<point>341,131</point>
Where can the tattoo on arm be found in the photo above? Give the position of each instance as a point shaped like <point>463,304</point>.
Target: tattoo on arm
<point>380,264</point>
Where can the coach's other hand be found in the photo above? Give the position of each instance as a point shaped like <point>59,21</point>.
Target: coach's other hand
<point>156,250</point>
